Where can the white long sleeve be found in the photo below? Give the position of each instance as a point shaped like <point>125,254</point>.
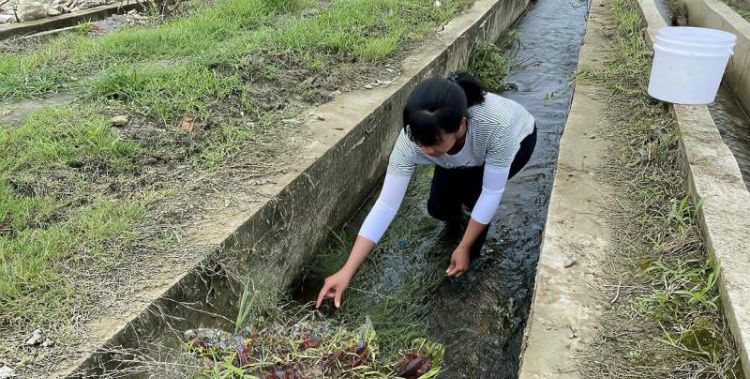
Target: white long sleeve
<point>493,186</point>
<point>382,213</point>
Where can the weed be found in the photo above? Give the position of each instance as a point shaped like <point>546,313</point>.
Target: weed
<point>490,62</point>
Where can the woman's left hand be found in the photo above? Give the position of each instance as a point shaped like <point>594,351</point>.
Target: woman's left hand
<point>459,262</point>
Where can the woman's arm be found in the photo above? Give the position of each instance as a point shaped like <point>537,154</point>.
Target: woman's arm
<point>380,217</point>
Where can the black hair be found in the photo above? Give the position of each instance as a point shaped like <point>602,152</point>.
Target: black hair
<point>437,105</point>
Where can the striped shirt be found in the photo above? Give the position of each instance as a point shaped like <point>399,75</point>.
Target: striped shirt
<point>496,128</point>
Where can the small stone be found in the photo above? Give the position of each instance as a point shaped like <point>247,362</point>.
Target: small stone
<point>438,3</point>
<point>52,12</point>
<point>568,262</point>
<point>48,343</point>
<point>31,10</point>
<point>334,93</point>
<point>120,120</point>
<point>321,118</point>
<point>132,11</point>
<point>36,338</point>
<point>59,2</point>
<point>368,86</point>
<point>7,18</point>
<point>6,372</point>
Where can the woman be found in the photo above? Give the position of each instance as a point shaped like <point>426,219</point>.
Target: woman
<point>476,140</point>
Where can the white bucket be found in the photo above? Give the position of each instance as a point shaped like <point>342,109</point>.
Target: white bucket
<point>689,64</point>
<point>678,44</point>
<point>694,34</point>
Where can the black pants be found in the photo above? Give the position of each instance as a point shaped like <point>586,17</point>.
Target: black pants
<point>453,188</point>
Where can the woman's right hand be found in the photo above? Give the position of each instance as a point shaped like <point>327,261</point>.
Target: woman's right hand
<point>333,288</point>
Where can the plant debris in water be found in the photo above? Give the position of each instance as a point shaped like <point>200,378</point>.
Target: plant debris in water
<point>285,347</point>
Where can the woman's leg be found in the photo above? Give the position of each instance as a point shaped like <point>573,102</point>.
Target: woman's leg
<point>445,197</point>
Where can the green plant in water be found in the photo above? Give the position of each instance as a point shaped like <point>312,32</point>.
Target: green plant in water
<point>490,62</point>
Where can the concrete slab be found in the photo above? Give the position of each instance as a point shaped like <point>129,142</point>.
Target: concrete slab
<point>565,309</point>
<point>73,19</point>
<point>717,15</point>
<point>715,182</point>
<point>345,149</point>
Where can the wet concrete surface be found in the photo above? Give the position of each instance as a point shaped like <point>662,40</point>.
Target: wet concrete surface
<point>734,126</point>
<point>663,8</point>
<point>481,316</point>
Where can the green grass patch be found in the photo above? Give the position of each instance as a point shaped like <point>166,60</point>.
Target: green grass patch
<point>42,234</point>
<point>61,62</point>
<point>490,62</point>
<point>167,92</point>
<point>37,263</point>
<point>64,137</point>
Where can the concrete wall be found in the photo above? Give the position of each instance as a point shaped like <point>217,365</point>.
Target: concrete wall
<point>717,15</point>
<point>715,182</point>
<point>351,139</point>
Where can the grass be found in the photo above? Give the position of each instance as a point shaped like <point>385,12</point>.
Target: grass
<point>668,323</point>
<point>166,92</point>
<point>73,189</point>
<point>57,152</point>
<point>490,62</point>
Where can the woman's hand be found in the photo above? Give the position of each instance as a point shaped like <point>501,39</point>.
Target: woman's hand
<point>459,262</point>
<point>333,287</point>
